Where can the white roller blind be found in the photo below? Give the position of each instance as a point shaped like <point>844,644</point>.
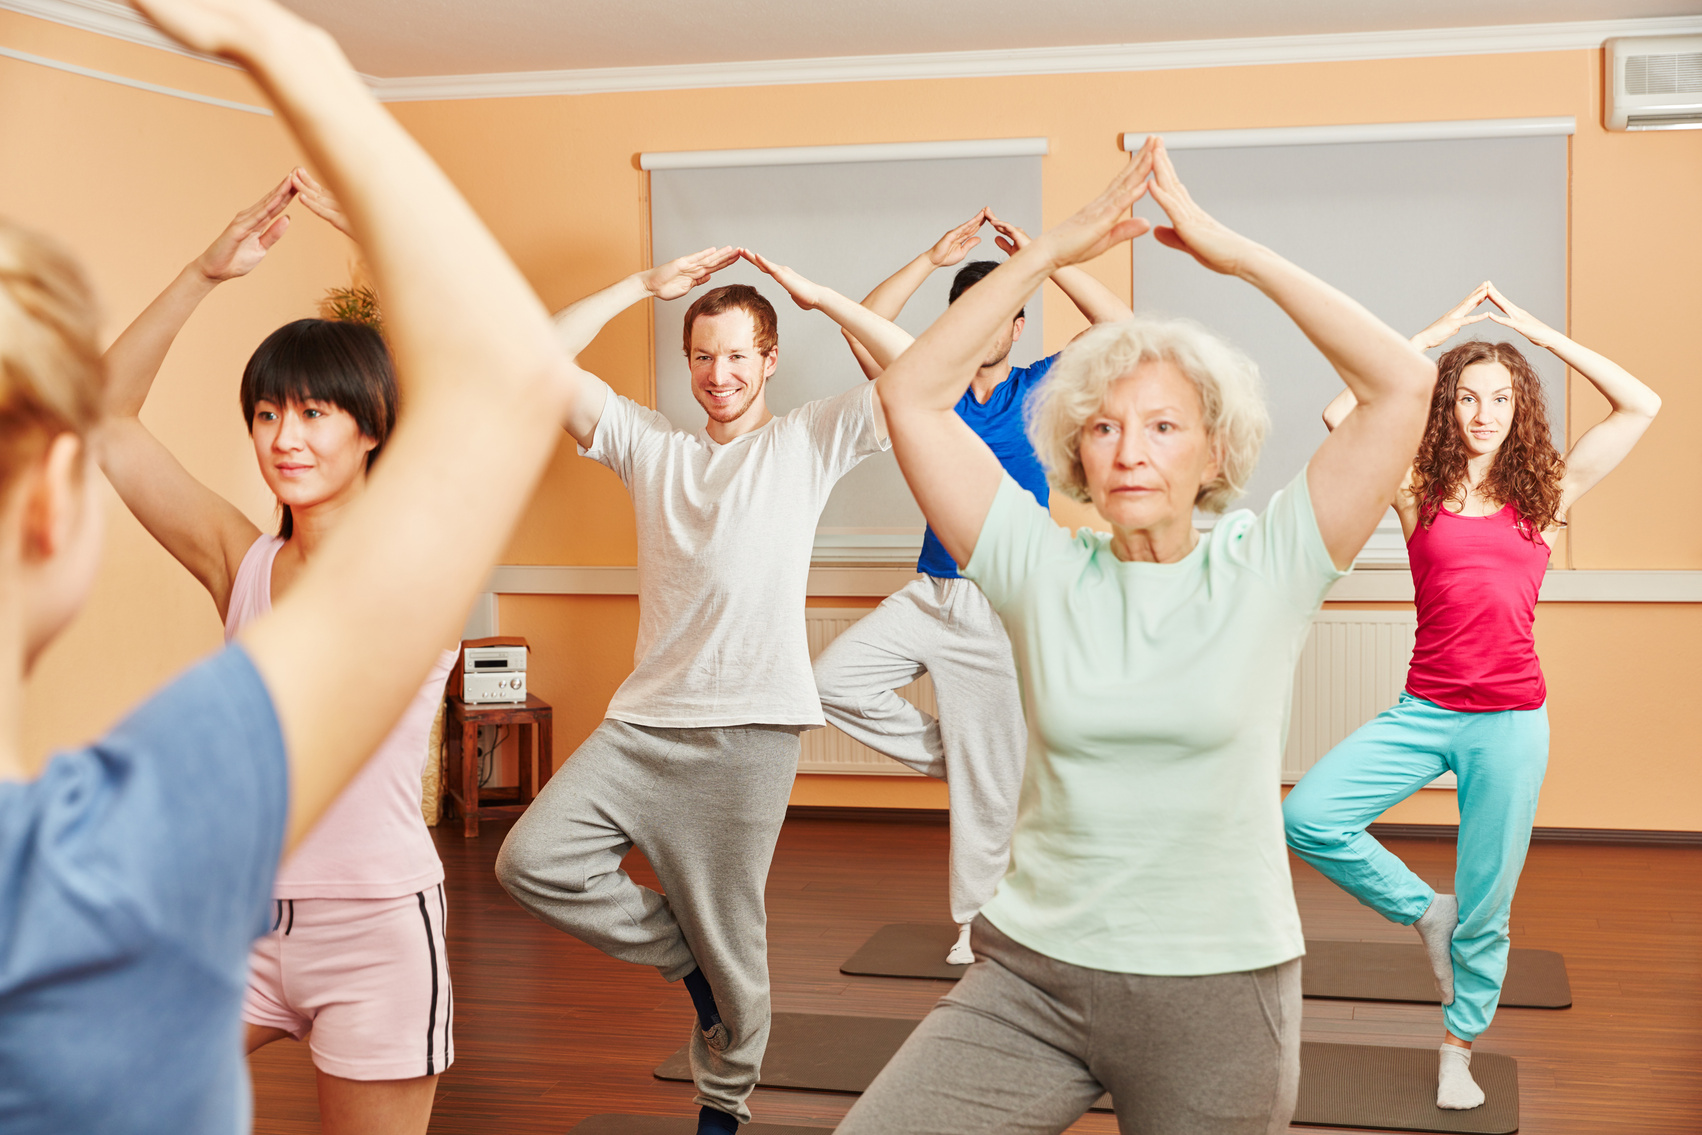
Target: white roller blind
<point>847,224</point>
<point>1405,227</point>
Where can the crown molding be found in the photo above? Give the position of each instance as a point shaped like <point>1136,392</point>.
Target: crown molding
<point>125,81</point>
<point>109,18</point>
<point>1266,50</point>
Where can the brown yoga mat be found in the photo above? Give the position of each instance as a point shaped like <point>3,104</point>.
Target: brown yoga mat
<point>1354,971</point>
<point>677,1125</point>
<point>1341,1085</point>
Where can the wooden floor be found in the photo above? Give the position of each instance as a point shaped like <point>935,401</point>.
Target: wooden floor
<point>549,1031</point>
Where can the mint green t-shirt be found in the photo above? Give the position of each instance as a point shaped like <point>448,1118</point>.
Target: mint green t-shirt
<point>1149,832</point>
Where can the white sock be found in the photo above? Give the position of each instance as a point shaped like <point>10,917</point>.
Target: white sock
<point>1436,927</point>
<point>1455,1088</point>
<point>960,954</point>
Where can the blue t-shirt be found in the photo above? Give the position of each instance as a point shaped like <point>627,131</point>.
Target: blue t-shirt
<point>134,877</point>
<point>998,422</point>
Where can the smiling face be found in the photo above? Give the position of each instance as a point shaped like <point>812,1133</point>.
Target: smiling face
<point>1147,452</point>
<point>728,373</point>
<point>310,452</point>
<point>1483,406</point>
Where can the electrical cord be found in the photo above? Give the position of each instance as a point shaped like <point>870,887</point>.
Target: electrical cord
<point>487,757</point>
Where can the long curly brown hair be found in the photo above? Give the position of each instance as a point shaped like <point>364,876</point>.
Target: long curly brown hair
<point>1527,468</point>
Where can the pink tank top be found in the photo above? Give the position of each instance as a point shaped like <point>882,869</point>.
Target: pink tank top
<point>1476,579</point>
<point>372,842</point>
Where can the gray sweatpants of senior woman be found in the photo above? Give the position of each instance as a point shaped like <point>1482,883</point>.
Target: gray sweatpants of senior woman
<point>1025,1044</point>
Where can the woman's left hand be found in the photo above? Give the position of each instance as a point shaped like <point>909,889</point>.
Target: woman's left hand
<point>1192,229</point>
<point>319,201</point>
<point>1100,223</point>
<point>1520,320</point>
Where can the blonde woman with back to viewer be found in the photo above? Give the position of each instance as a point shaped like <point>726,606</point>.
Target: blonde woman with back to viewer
<point>135,872</point>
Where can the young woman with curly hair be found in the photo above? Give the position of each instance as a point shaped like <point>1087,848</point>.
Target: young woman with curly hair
<point>1479,508</point>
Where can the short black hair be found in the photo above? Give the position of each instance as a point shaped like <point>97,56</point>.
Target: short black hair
<point>324,360</point>
<point>973,273</point>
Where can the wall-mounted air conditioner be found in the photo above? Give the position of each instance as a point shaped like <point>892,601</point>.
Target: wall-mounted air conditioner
<point>1653,83</point>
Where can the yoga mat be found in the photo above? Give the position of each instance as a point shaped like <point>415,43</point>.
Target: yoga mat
<point>906,949</point>
<point>1386,971</point>
<point>1354,971</point>
<point>1394,1089</point>
<point>677,1125</point>
<point>1341,1085</point>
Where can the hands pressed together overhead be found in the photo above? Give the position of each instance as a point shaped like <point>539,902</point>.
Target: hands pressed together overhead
<point>1504,311</point>
<point>251,233</point>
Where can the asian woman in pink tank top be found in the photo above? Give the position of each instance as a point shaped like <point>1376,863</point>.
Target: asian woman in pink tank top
<point>1480,508</point>
<point>355,953</point>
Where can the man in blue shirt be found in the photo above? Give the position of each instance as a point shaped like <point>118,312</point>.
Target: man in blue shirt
<point>941,624</point>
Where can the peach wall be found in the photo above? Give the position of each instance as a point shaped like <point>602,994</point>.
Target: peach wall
<point>555,178</point>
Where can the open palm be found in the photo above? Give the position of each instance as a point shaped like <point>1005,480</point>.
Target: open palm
<point>249,236</point>
<point>1101,223</point>
<point>674,279</point>
<point>804,293</point>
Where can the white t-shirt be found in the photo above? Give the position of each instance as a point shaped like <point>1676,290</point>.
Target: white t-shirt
<point>724,540</point>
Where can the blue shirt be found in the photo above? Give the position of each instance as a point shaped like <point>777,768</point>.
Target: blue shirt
<point>134,877</point>
<point>999,422</point>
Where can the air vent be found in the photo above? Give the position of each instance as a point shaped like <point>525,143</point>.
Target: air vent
<point>1664,74</point>
<point>1653,83</point>
<point>1663,121</point>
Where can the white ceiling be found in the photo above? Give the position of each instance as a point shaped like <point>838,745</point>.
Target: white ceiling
<point>458,37</point>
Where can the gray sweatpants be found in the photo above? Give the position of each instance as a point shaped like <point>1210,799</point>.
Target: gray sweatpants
<point>1025,1044</point>
<point>946,628</point>
<point>705,807</point>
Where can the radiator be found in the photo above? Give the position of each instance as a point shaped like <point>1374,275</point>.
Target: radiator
<point>829,750</point>
<point>1352,668</point>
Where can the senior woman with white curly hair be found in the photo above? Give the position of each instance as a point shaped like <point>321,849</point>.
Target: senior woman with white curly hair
<point>1145,940</point>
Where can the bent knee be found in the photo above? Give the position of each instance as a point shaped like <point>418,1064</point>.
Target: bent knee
<point>519,863</point>
<point>1304,827</point>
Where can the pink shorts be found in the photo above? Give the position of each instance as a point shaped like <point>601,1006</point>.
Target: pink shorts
<point>365,980</point>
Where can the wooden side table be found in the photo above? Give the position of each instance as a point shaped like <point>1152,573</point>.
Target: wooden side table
<point>461,732</point>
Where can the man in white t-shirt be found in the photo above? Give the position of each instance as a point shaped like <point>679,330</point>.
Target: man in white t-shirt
<point>694,762</point>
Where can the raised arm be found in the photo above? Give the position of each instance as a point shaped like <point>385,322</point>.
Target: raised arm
<point>951,472</point>
<point>1446,326</point>
<point>204,532</point>
<point>1633,405</point>
<point>1356,471</point>
<point>577,324</point>
<point>891,294</point>
<point>1093,299</point>
<point>482,384</point>
<point>884,340</point>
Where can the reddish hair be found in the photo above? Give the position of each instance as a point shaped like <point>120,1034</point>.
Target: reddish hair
<point>737,297</point>
<point>1527,468</point>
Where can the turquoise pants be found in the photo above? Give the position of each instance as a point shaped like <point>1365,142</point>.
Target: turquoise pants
<point>1499,759</point>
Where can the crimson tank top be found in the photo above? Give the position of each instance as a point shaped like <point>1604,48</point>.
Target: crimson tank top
<point>1476,580</point>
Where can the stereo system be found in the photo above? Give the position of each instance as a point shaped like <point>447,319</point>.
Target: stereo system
<point>491,671</point>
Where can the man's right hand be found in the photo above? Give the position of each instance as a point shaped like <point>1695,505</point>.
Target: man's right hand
<point>674,279</point>
<point>955,245</point>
